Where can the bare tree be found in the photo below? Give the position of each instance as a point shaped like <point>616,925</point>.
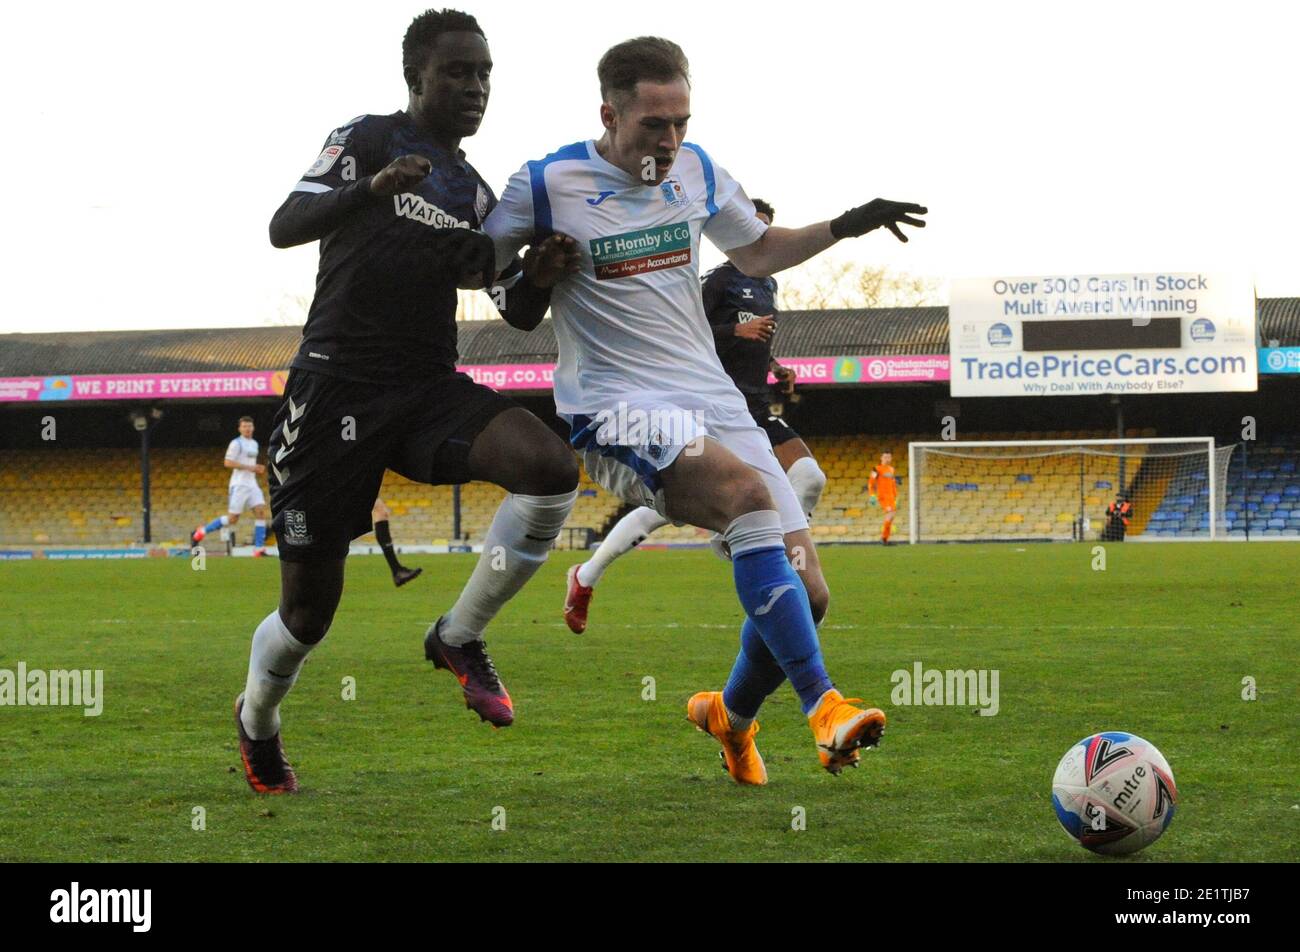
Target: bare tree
<point>828,283</point>
<point>291,312</point>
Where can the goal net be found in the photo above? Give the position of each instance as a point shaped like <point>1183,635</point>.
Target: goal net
<point>1060,490</point>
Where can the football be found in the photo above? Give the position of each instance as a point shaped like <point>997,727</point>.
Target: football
<point>1114,793</point>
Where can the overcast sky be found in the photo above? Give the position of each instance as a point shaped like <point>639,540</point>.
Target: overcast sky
<point>148,144</point>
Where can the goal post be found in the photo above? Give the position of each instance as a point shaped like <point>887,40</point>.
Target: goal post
<point>1060,490</point>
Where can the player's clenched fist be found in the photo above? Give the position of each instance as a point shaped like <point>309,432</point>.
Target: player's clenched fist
<point>548,261</point>
<point>877,213</point>
<point>400,174</point>
<point>760,329</point>
<point>468,256</point>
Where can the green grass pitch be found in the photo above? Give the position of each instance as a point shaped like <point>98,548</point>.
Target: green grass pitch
<point>1157,644</point>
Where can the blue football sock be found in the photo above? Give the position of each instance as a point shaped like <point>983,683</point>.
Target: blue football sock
<point>215,524</point>
<point>259,533</point>
<point>774,598</point>
<point>754,676</point>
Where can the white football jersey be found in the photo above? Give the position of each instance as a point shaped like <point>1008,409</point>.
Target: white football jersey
<point>632,319</point>
<point>243,451</point>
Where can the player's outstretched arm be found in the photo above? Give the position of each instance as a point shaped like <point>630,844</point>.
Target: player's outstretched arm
<point>311,215</point>
<point>527,285</point>
<point>781,248</point>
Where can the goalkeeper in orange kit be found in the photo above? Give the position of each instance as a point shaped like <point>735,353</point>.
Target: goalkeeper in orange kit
<point>883,486</point>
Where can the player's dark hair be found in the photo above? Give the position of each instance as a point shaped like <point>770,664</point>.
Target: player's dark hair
<point>766,208</point>
<point>425,29</point>
<point>649,58</point>
<point>246,419</point>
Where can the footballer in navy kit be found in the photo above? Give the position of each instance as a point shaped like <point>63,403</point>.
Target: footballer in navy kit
<point>397,210</point>
<point>742,314</point>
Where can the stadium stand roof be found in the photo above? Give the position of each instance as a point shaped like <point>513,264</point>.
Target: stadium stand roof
<point>145,352</point>
<point>1279,320</point>
<point>883,331</point>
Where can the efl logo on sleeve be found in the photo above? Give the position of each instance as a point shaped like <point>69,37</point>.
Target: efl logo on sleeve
<point>640,252</point>
<point>324,162</point>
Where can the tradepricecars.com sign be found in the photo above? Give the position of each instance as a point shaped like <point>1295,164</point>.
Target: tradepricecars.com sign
<point>1183,332</point>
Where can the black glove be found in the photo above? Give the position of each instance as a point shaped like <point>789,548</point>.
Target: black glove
<point>874,214</point>
<point>466,255</point>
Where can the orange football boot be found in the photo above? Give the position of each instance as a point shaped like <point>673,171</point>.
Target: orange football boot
<point>745,764</point>
<point>841,729</point>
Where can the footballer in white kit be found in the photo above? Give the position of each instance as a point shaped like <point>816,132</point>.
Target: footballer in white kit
<point>244,492</point>
<point>637,357</point>
<point>652,411</point>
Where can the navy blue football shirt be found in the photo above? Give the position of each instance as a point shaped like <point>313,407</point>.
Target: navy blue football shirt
<point>732,298</point>
<point>385,308</point>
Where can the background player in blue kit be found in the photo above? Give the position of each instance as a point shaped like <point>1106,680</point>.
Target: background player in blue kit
<point>244,492</point>
<point>396,208</point>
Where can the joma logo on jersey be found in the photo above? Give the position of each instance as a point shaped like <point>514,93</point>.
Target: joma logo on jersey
<point>639,252</point>
<point>414,207</point>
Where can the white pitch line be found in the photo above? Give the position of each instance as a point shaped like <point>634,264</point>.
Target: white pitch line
<point>904,627</point>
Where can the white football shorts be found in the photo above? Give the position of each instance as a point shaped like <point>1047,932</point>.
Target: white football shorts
<point>245,497</point>
<point>625,448</point>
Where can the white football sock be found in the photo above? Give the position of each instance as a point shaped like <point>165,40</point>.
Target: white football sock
<point>808,481</point>
<point>760,529</point>
<point>273,666</point>
<point>627,534</point>
<point>516,546</point>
